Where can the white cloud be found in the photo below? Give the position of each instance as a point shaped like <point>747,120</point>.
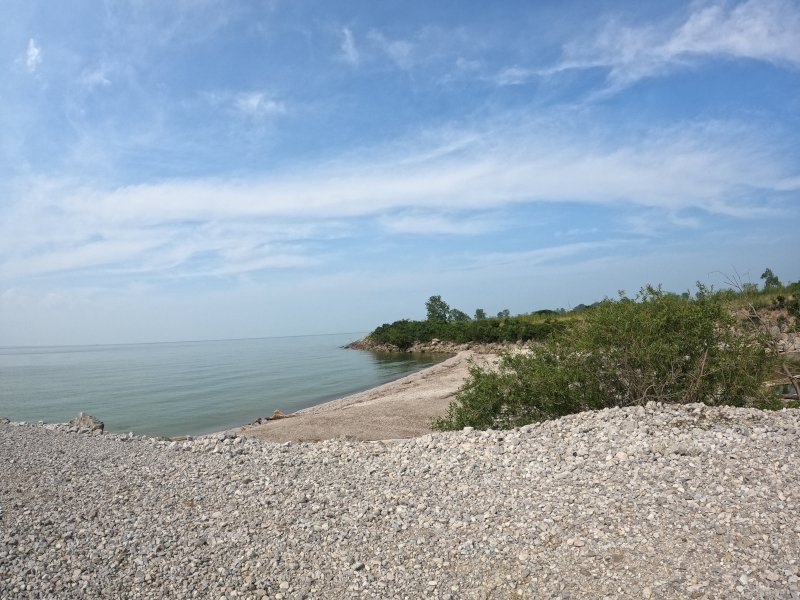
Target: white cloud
<point>438,224</point>
<point>33,56</point>
<point>252,104</point>
<point>348,47</point>
<point>94,78</point>
<point>541,256</point>
<point>436,185</point>
<point>513,76</point>
<point>258,105</point>
<point>764,30</point>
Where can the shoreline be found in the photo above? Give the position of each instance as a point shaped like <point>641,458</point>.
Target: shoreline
<point>402,408</point>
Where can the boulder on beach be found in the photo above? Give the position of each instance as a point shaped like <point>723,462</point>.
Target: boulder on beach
<point>87,423</point>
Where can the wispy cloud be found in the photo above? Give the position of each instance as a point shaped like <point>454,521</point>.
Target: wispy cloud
<point>33,56</point>
<point>258,105</point>
<point>437,49</point>
<point>95,77</point>
<point>400,51</point>
<point>194,227</point>
<point>541,256</point>
<point>513,76</point>
<point>431,223</point>
<point>348,47</point>
<point>764,30</point>
<point>252,104</point>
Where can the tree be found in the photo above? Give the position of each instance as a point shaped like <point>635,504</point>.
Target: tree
<point>504,314</point>
<point>625,352</point>
<point>438,309</point>
<point>771,280</point>
<point>458,316</point>
<point>480,314</point>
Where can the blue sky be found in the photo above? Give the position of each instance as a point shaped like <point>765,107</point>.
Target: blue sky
<point>207,169</point>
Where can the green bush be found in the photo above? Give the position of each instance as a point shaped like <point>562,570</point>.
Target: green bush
<point>405,333</point>
<point>658,346</point>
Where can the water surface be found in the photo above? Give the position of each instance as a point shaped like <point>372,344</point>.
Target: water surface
<point>189,387</point>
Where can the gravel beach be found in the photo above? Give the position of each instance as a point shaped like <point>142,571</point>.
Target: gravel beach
<point>402,408</point>
<point>648,502</point>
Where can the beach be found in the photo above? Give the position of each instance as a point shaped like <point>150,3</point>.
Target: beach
<point>399,409</point>
<point>657,501</point>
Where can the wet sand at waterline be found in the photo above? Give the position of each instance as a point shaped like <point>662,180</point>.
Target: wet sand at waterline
<point>398,409</point>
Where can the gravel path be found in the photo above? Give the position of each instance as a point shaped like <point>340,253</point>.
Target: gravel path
<point>655,502</point>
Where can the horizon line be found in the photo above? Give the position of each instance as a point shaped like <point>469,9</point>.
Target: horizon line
<point>236,339</point>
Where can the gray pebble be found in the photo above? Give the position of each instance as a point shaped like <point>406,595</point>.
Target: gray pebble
<point>654,501</point>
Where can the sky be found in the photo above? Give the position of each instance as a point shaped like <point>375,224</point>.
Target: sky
<point>202,169</point>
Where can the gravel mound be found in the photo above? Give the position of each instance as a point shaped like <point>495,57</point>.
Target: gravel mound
<point>648,502</point>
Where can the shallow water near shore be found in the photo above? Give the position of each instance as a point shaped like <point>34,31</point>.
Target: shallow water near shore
<point>190,388</point>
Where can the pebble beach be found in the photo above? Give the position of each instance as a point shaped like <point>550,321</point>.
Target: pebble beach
<point>648,502</point>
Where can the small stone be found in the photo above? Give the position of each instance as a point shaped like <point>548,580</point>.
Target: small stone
<point>772,576</point>
<point>86,422</point>
<point>284,585</point>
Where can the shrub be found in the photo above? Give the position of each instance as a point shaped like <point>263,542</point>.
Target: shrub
<point>405,333</point>
<point>658,346</point>
<point>523,389</point>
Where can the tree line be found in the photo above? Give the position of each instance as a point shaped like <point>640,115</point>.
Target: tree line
<point>454,325</point>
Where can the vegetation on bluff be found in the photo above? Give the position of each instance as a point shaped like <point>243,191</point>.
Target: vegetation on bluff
<point>711,347</point>
<point>453,325</point>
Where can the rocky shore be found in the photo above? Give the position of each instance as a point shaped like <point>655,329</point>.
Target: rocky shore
<point>436,346</point>
<point>648,502</point>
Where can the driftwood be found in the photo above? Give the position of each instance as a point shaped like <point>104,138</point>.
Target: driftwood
<point>793,379</point>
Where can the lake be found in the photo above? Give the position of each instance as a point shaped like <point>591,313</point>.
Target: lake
<point>190,388</point>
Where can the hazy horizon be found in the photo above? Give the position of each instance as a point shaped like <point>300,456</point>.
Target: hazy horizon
<point>206,170</point>
<point>198,341</point>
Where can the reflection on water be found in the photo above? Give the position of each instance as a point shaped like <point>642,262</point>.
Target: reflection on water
<point>190,387</point>
<point>393,361</point>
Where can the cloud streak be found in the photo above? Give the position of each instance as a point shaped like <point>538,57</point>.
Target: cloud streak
<point>762,30</point>
<point>350,52</point>
<point>257,105</point>
<point>33,56</point>
<point>224,226</point>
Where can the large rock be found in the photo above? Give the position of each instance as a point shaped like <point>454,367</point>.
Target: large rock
<point>87,423</point>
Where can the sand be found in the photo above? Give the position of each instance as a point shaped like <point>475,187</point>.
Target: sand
<point>399,409</point>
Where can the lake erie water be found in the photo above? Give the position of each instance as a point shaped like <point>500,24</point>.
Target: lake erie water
<point>189,388</point>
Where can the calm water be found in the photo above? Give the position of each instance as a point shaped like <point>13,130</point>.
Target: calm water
<point>189,387</point>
